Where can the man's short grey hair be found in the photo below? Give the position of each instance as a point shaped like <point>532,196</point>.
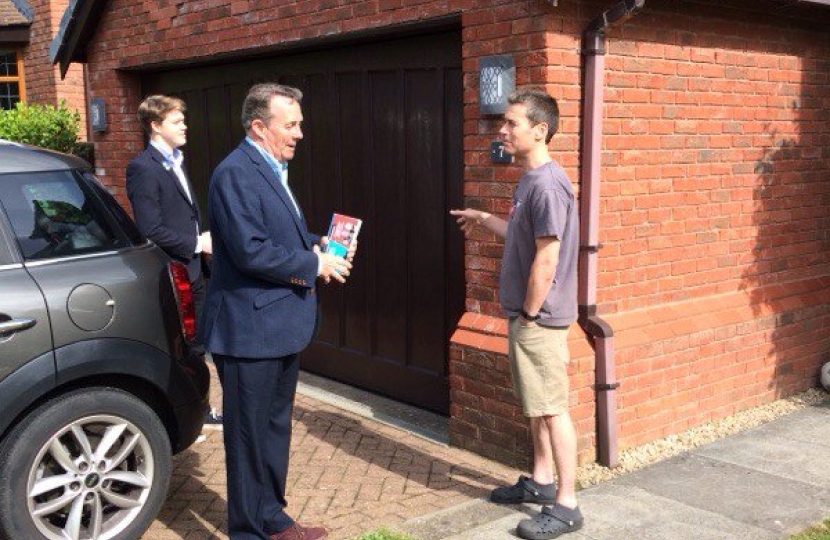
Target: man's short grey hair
<point>257,104</point>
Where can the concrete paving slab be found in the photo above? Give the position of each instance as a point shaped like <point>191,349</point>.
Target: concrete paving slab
<point>617,512</point>
<point>810,425</point>
<point>464,519</point>
<point>794,459</point>
<point>505,529</point>
<point>756,498</point>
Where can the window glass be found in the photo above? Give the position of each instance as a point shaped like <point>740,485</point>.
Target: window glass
<point>9,95</point>
<point>8,64</point>
<point>5,249</point>
<point>10,80</point>
<point>54,214</point>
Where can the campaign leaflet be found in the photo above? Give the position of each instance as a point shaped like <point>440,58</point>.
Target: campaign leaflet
<point>342,232</point>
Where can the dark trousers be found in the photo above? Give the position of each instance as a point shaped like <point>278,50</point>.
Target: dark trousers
<point>257,404</point>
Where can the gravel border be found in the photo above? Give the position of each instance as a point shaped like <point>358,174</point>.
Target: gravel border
<point>638,457</point>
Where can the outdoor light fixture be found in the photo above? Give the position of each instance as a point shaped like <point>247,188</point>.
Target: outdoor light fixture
<point>497,79</point>
<point>98,114</point>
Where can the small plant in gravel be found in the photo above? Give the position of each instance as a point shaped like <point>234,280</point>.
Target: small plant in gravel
<point>384,534</point>
<point>819,532</point>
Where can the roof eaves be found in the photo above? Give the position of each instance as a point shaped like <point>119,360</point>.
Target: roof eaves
<point>77,26</point>
<point>24,9</point>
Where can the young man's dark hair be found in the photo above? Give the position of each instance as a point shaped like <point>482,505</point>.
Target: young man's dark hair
<point>540,108</point>
<point>156,108</point>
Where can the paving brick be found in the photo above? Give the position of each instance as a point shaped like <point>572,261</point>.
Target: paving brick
<point>348,473</point>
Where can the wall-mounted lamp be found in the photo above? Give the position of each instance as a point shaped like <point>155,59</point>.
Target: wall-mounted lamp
<point>497,79</point>
<point>98,114</point>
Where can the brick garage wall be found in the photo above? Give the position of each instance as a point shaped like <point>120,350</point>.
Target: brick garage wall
<point>485,416</point>
<point>715,215</point>
<point>715,191</point>
<point>42,79</point>
<point>714,220</point>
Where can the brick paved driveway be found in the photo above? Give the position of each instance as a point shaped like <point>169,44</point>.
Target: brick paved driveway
<point>349,473</point>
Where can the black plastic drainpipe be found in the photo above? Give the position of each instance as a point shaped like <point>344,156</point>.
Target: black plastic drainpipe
<point>599,332</point>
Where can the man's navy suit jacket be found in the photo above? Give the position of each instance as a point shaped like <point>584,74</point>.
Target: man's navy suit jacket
<point>261,301</point>
<point>161,209</point>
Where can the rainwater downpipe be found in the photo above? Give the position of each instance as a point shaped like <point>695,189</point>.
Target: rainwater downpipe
<point>599,332</point>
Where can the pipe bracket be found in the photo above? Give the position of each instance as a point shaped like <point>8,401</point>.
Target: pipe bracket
<point>591,249</point>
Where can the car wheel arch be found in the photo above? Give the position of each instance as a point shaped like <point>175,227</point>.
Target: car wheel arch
<point>35,383</point>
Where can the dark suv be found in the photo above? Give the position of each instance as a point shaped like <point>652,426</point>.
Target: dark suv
<point>97,388</point>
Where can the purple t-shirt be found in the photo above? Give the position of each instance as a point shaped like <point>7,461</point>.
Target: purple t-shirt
<point>543,205</point>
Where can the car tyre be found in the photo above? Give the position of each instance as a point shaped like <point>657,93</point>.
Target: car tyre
<point>93,464</point>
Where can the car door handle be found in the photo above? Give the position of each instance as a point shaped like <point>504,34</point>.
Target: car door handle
<point>16,325</point>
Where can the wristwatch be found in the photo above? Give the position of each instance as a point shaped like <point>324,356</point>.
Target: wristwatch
<point>527,317</point>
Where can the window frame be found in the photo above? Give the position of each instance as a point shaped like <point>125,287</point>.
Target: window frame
<point>20,78</point>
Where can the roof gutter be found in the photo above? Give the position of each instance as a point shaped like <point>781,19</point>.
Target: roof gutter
<point>599,332</point>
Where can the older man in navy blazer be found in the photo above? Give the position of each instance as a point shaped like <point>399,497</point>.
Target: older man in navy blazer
<point>163,201</point>
<point>261,310</point>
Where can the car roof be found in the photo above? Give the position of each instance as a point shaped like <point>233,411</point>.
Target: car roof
<point>17,158</point>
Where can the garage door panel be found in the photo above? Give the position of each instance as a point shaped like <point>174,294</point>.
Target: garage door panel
<point>355,197</point>
<point>389,242</point>
<point>197,149</point>
<point>454,175</point>
<point>425,193</point>
<point>315,154</point>
<point>219,142</point>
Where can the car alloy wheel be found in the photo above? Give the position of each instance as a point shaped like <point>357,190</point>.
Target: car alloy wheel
<point>91,479</point>
<point>93,464</point>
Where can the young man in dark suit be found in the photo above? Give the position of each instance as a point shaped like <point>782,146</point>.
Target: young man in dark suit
<point>261,310</point>
<point>163,201</point>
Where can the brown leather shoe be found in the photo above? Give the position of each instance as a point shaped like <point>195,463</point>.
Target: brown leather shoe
<point>298,532</point>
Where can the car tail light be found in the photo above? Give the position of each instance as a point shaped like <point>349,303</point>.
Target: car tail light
<point>184,299</point>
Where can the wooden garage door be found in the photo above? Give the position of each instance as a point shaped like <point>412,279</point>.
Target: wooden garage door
<point>383,141</point>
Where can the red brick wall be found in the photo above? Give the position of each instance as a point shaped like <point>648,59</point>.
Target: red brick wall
<point>715,216</point>
<point>42,79</point>
<point>714,221</point>
<point>715,190</point>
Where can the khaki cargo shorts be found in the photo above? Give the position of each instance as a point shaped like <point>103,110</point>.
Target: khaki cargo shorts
<point>539,362</point>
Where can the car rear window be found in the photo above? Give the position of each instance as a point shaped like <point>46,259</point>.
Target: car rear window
<point>58,214</point>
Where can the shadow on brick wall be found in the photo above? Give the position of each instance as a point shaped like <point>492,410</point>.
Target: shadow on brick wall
<point>787,276</point>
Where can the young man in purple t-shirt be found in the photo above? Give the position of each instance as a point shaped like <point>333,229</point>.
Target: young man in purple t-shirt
<point>537,290</point>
